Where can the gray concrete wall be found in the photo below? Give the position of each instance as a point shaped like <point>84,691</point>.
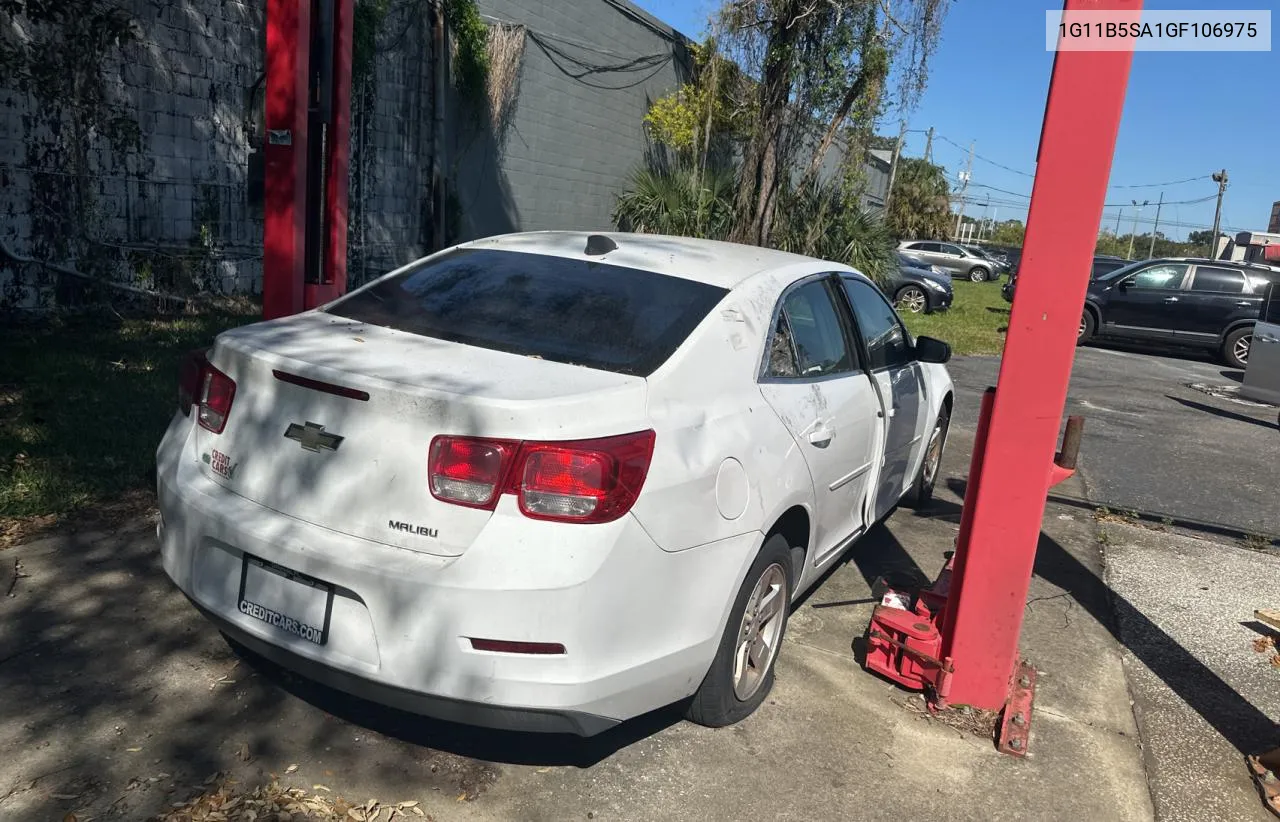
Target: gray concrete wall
<point>591,68</point>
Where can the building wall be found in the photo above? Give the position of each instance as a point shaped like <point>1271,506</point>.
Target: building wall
<point>590,70</point>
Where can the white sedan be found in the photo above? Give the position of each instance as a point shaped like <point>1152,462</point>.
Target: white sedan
<point>547,481</point>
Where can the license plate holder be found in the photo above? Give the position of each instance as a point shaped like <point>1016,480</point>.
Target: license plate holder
<point>289,601</point>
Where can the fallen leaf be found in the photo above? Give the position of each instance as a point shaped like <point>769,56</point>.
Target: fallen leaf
<point>133,750</point>
<point>418,811</point>
<point>291,768</point>
<point>543,770</point>
<point>462,797</point>
<point>324,788</point>
<point>410,804</point>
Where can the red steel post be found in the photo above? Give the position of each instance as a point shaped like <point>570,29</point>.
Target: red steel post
<point>1081,121</point>
<point>333,279</point>
<point>285,157</point>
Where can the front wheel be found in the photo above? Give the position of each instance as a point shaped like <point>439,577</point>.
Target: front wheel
<point>921,493</point>
<point>1235,348</point>
<point>978,274</point>
<point>741,675</point>
<point>911,298</point>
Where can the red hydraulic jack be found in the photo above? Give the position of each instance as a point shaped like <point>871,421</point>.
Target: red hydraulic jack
<point>308,124</point>
<point>958,639</point>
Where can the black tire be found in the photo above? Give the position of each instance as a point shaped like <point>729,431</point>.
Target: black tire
<point>978,274</point>
<point>921,491</point>
<point>716,704</point>
<point>913,299</point>
<point>1235,348</point>
<point>1088,327</point>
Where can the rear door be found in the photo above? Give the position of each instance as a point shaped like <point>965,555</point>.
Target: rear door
<point>1262,374</point>
<point>900,381</point>
<point>813,379</point>
<point>1145,303</point>
<point>929,252</point>
<point>1217,296</point>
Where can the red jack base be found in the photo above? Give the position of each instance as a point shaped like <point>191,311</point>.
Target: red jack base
<point>1014,736</point>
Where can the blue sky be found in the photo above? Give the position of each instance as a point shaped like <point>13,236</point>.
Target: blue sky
<point>1187,114</point>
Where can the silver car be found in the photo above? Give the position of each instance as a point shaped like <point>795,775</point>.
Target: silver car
<point>954,258</point>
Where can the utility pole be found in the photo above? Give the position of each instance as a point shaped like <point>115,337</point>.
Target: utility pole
<point>1151,250</point>
<point>968,172</point>
<point>1118,213</point>
<point>1137,209</point>
<point>1219,177</point>
<point>985,208</point>
<point>893,164</point>
<point>928,147</point>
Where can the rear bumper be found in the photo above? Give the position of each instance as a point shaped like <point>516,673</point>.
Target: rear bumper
<point>639,625</point>
<point>437,707</point>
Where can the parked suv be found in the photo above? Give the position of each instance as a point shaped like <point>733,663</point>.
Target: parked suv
<point>1102,264</point>
<point>954,258</point>
<point>916,287</point>
<point>1209,304</point>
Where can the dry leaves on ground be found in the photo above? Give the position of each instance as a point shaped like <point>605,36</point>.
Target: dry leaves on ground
<point>1264,643</point>
<point>276,803</point>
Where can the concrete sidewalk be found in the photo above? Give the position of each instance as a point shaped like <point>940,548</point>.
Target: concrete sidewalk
<point>120,700</point>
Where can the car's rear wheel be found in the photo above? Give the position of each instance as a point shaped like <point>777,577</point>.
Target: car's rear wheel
<point>978,274</point>
<point>1088,326</point>
<point>741,675</point>
<point>1235,348</point>
<point>921,493</point>
<point>911,298</point>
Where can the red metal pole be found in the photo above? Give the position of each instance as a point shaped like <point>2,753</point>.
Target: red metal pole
<point>285,156</point>
<point>333,279</point>
<point>1082,118</point>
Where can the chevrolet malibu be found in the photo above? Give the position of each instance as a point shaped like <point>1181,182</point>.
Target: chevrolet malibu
<point>547,481</point>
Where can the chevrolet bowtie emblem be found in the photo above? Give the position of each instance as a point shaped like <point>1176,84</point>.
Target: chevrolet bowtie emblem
<point>313,437</point>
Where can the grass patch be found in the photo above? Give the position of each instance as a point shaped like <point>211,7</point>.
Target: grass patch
<point>84,402</point>
<point>975,323</point>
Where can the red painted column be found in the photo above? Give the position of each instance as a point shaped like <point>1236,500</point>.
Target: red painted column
<point>333,280</point>
<point>285,156</point>
<point>1081,121</point>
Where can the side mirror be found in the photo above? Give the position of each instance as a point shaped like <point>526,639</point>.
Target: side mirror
<point>930,350</point>
<point>1123,285</point>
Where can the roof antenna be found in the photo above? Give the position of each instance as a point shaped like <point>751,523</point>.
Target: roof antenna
<point>598,244</point>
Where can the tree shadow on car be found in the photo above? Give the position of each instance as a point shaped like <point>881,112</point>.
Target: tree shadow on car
<point>473,742</point>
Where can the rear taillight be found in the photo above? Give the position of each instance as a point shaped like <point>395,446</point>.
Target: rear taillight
<point>468,471</point>
<point>581,481</point>
<point>216,396</point>
<point>207,388</point>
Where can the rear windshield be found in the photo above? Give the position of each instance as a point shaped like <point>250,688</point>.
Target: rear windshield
<point>571,311</point>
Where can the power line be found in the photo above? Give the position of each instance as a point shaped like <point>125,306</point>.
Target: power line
<point>1032,175</point>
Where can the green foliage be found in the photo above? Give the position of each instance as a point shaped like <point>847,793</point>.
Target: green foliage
<point>678,201</point>
<point>919,206</point>
<point>367,21</point>
<point>1008,232</point>
<point>679,120</point>
<point>471,40</point>
<point>825,221</point>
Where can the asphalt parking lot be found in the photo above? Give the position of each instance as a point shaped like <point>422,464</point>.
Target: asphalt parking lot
<point>1154,444</point>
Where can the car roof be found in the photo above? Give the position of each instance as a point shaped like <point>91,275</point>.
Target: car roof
<point>708,261</point>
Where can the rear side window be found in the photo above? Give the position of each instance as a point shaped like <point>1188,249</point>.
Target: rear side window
<point>572,311</point>
<point>813,332</point>
<point>924,247</point>
<point>1218,279</point>
<point>1101,267</point>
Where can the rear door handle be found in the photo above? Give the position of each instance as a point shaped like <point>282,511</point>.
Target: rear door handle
<point>1244,304</point>
<point>821,436</point>
<point>1267,338</point>
<point>1171,299</point>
